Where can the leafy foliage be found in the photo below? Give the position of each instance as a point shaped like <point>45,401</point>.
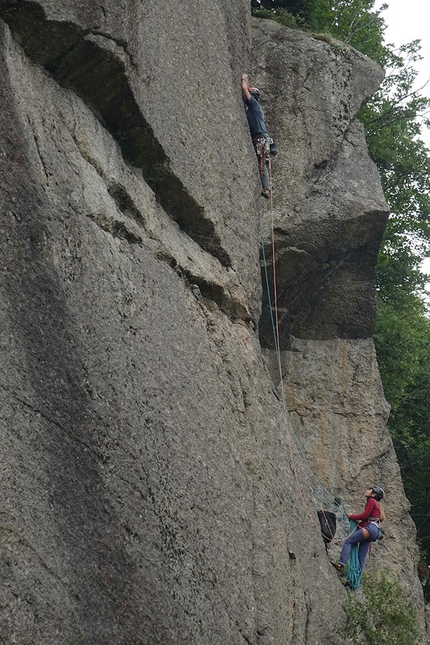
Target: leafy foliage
<point>282,16</point>
<point>384,617</point>
<point>403,346</point>
<point>393,120</point>
<point>351,21</point>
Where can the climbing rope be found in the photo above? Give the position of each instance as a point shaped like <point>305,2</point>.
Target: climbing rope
<point>326,498</point>
<point>354,570</point>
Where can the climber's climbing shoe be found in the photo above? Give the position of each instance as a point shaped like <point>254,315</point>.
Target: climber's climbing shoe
<point>265,193</point>
<point>337,565</point>
<point>345,582</point>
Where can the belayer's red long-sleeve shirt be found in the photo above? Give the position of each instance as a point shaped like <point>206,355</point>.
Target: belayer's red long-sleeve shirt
<point>371,510</point>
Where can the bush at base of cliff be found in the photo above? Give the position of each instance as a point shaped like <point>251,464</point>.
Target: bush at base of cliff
<point>383,617</point>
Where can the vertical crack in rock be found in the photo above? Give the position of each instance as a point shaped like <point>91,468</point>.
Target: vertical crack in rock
<point>95,67</point>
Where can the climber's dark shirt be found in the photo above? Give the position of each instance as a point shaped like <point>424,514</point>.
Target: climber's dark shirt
<point>255,117</point>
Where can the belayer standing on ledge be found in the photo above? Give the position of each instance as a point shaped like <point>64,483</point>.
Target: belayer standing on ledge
<point>368,530</point>
<point>263,144</point>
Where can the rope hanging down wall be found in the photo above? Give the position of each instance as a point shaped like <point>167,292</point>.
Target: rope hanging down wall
<point>323,498</point>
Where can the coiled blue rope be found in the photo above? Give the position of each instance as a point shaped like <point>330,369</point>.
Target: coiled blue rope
<point>354,571</point>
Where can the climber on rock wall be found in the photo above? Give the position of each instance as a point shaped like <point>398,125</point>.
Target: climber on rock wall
<point>260,139</point>
<point>367,529</point>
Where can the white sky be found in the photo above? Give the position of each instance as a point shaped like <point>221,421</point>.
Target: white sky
<point>408,21</point>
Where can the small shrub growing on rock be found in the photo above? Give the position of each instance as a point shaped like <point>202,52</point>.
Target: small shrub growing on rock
<point>382,617</point>
<point>282,16</point>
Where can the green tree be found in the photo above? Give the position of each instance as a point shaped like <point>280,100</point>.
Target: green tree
<point>393,120</point>
<point>351,21</point>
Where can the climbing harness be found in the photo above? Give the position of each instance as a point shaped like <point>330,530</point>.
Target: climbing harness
<point>262,145</point>
<point>265,146</point>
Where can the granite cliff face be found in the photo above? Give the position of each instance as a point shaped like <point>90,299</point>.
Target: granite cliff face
<point>329,210</point>
<point>148,490</point>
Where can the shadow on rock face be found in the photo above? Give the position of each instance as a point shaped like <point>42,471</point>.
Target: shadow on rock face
<point>63,421</point>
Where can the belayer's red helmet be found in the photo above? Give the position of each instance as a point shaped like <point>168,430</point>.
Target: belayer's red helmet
<point>255,92</point>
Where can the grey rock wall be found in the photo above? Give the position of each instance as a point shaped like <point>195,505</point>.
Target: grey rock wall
<point>338,411</point>
<point>160,80</point>
<point>148,493</point>
<point>328,218</point>
<point>329,209</point>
